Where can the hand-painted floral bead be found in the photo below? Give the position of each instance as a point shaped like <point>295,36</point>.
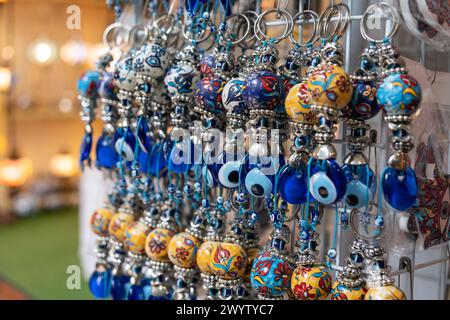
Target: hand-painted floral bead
<point>88,84</point>
<point>157,244</point>
<point>181,80</point>
<point>135,236</point>
<point>228,261</point>
<point>118,225</point>
<point>298,106</point>
<point>208,94</point>
<point>311,283</point>
<point>399,94</point>
<point>183,250</point>
<point>263,91</point>
<point>204,256</point>
<point>232,97</point>
<point>125,74</point>
<point>385,293</point>
<point>100,221</point>
<point>152,60</point>
<point>330,86</point>
<point>364,104</point>
<point>341,292</point>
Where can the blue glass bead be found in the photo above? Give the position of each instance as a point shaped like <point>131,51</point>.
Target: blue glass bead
<point>106,154</point>
<point>399,94</point>
<point>144,161</point>
<point>108,88</point>
<point>85,149</point>
<point>88,84</point>
<point>178,161</point>
<point>263,90</point>
<point>143,135</point>
<point>327,183</point>
<point>364,104</point>
<point>400,188</point>
<point>228,170</point>
<point>260,180</point>
<point>136,292</point>
<point>157,160</point>
<point>292,185</point>
<point>125,144</point>
<point>361,185</point>
<point>99,284</point>
<point>119,284</point>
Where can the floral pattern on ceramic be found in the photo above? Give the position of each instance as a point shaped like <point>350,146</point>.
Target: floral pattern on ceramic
<point>125,74</point>
<point>228,261</point>
<point>208,94</point>
<point>270,276</point>
<point>363,105</point>
<point>204,256</point>
<point>232,97</point>
<point>330,86</point>
<point>135,236</point>
<point>100,221</point>
<point>399,94</point>
<point>385,293</point>
<point>181,80</point>
<point>118,225</point>
<point>157,244</point>
<point>183,250</point>
<point>341,292</point>
<point>263,90</point>
<point>311,283</point>
<point>152,60</point>
<point>298,106</point>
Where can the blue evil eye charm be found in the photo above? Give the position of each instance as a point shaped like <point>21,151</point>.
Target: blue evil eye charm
<point>144,161</point>
<point>119,284</point>
<point>136,292</point>
<point>85,149</point>
<point>88,84</point>
<point>99,284</point>
<point>400,188</point>
<point>361,185</point>
<point>143,134</point>
<point>229,170</point>
<point>106,154</point>
<point>399,94</point>
<point>327,182</point>
<point>125,144</point>
<point>263,91</point>
<point>260,179</point>
<point>292,185</point>
<point>180,159</point>
<point>157,161</point>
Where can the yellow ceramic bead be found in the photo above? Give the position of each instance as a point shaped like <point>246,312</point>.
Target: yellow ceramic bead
<point>342,292</point>
<point>228,261</point>
<point>311,283</point>
<point>203,256</point>
<point>119,223</point>
<point>297,104</point>
<point>252,253</point>
<point>157,244</point>
<point>135,236</point>
<point>100,221</point>
<point>330,86</point>
<point>385,293</point>
<point>183,250</point>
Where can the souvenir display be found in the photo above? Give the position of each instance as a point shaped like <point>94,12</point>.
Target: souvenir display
<point>205,132</point>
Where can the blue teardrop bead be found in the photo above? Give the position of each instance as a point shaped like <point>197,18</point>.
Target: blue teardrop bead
<point>292,185</point>
<point>119,287</point>
<point>136,292</point>
<point>99,284</point>
<point>144,161</point>
<point>106,154</point>
<point>125,143</point>
<point>400,188</point>
<point>334,172</point>
<point>178,161</point>
<point>143,135</point>
<point>157,160</point>
<point>85,149</point>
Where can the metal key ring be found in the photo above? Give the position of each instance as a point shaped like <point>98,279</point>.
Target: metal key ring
<point>247,31</point>
<point>254,18</point>
<point>281,12</point>
<point>109,31</point>
<point>369,12</point>
<point>133,39</point>
<point>343,17</point>
<point>159,23</point>
<point>315,21</point>
<point>203,34</point>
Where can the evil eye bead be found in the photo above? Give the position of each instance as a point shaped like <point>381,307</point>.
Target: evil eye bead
<point>125,143</point>
<point>228,173</point>
<point>181,80</point>
<point>125,75</point>
<point>228,261</point>
<point>207,65</point>
<point>232,97</point>
<point>208,94</point>
<point>263,91</point>
<point>203,256</point>
<point>363,105</point>
<point>385,293</point>
<point>183,250</point>
<point>400,188</point>
<point>135,235</point>
<point>270,276</point>
<point>105,151</point>
<point>399,94</point>
<point>88,84</point>
<point>330,86</point>
<point>342,292</point>
<point>327,186</point>
<point>118,226</point>
<point>361,184</point>
<point>100,221</point>
<point>257,183</point>
<point>298,105</point>
<point>292,185</point>
<point>311,283</point>
<point>157,244</point>
<point>108,87</point>
<point>99,282</point>
<point>152,60</point>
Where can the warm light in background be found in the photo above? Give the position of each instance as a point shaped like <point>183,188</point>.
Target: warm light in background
<point>73,52</point>
<point>42,51</point>
<point>15,172</point>
<point>63,165</point>
<point>5,79</point>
